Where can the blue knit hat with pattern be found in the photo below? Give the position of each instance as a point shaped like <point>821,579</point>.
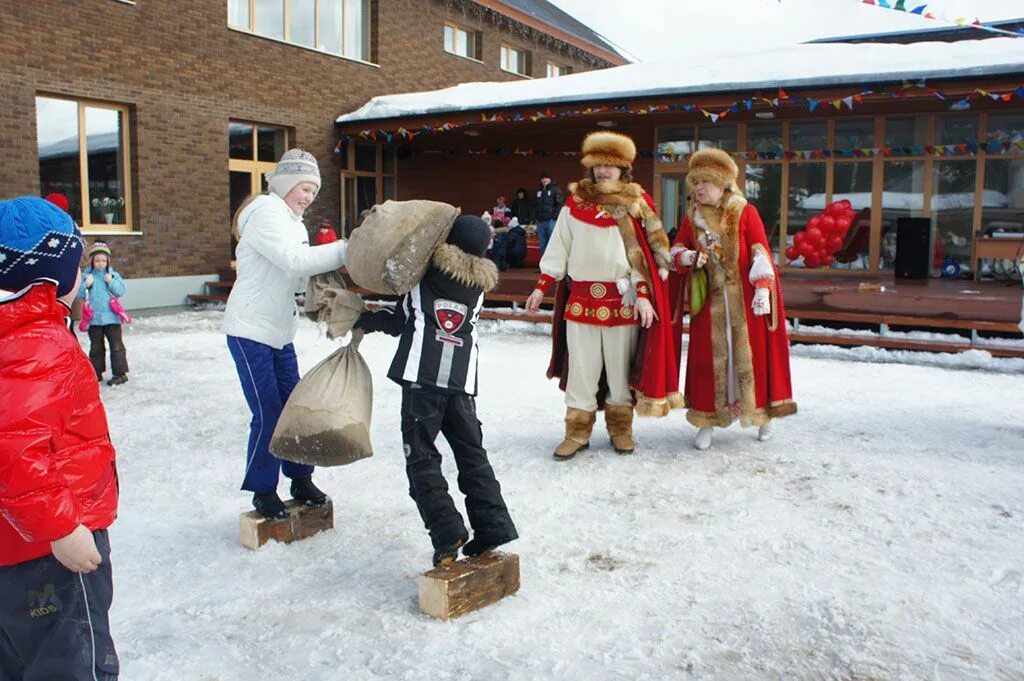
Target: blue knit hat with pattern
<point>38,241</point>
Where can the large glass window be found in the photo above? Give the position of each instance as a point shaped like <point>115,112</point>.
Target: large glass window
<point>718,137</point>
<point>764,137</point>
<point>852,182</point>
<point>555,70</point>
<point>804,136</point>
<point>763,188</point>
<point>336,26</point>
<point>956,129</point>
<point>1002,212</point>
<point>1006,133</point>
<point>92,174</point>
<point>676,141</point>
<point>902,197</point>
<point>253,151</point>
<point>953,211</point>
<point>856,133</point>
<point>807,198</point>
<point>906,131</point>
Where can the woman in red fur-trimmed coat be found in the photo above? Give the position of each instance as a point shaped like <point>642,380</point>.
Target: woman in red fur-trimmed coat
<point>737,363</point>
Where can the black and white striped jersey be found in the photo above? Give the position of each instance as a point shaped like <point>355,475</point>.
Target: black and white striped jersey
<point>437,321</point>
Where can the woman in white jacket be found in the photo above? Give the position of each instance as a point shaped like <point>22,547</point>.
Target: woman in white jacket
<point>274,259</point>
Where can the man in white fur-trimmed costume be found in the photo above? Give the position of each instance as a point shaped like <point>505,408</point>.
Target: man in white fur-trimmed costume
<point>612,338</point>
<point>737,363</point>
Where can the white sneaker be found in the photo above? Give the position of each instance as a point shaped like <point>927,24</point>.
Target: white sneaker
<point>703,439</point>
<point>764,433</point>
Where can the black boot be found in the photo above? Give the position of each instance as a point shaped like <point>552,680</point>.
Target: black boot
<point>305,491</point>
<point>118,379</point>
<point>447,554</point>
<point>482,543</point>
<point>269,505</point>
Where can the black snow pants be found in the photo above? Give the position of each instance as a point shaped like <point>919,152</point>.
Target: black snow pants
<point>53,622</point>
<point>425,413</point>
<point>97,350</point>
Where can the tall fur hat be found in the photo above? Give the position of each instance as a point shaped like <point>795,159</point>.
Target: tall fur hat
<point>715,166</point>
<point>604,148</point>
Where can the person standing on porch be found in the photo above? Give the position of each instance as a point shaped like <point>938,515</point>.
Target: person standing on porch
<point>546,206</point>
<point>737,364</point>
<point>611,247</point>
<point>274,259</point>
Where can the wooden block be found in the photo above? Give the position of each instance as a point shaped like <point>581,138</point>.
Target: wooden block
<point>469,584</point>
<point>303,521</point>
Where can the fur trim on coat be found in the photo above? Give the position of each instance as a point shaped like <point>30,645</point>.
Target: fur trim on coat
<point>625,202</point>
<point>464,268</point>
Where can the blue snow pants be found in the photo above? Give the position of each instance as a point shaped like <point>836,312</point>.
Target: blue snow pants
<point>268,377</point>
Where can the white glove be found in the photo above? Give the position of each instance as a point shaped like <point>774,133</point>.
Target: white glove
<point>622,285</point>
<point>761,305</point>
<point>681,256</point>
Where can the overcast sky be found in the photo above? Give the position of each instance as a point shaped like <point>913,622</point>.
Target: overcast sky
<point>661,29</point>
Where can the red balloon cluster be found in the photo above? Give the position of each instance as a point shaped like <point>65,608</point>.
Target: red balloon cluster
<point>824,235</point>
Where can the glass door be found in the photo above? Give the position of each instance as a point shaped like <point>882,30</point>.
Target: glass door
<point>672,201</point>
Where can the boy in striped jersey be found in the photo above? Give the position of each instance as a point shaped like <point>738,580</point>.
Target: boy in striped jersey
<point>436,365</point>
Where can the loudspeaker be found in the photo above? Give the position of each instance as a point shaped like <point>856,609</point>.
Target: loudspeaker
<point>913,248</point>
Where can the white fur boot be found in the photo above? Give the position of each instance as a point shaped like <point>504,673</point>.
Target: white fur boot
<point>703,439</point>
<point>764,433</point>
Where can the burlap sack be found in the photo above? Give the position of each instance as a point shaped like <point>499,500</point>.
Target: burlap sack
<point>326,421</point>
<point>328,302</point>
<point>391,249</point>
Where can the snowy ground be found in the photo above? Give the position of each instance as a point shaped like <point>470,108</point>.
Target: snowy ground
<point>879,536</point>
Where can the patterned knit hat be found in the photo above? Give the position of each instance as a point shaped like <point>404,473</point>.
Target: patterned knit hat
<point>294,167</point>
<point>38,241</point>
<point>99,247</point>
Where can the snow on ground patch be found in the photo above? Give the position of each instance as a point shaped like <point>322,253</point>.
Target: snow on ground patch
<point>880,535</point>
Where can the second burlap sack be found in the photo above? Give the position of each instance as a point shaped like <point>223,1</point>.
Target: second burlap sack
<point>326,421</point>
<point>391,249</point>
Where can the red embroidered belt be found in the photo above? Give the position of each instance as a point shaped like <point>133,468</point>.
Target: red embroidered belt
<point>598,303</point>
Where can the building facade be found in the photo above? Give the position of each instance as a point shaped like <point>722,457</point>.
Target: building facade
<point>156,118</point>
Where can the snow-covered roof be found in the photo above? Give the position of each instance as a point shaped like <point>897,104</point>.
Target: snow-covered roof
<point>804,65</point>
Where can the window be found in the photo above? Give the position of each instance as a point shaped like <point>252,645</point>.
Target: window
<point>514,60</point>
<point>367,178</point>
<point>852,182</point>
<point>460,41</point>
<point>902,195</point>
<point>677,141</point>
<point>556,70</point>
<point>83,154</point>
<point>953,210</point>
<point>763,188</point>
<point>717,136</point>
<point>764,137</point>
<point>807,197</point>
<point>253,150</point>
<point>338,27</point>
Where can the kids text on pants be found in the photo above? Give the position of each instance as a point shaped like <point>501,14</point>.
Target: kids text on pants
<point>274,259</point>
<point>101,284</point>
<point>436,365</point>
<point>58,476</point>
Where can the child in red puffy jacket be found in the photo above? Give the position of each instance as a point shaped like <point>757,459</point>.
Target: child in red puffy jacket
<point>325,234</point>
<point>58,477</point>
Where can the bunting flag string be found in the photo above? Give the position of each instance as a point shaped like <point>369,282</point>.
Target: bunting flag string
<point>713,114</point>
<point>1014,145</point>
<point>922,11</point>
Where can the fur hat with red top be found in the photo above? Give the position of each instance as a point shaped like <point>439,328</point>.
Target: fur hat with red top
<point>603,148</point>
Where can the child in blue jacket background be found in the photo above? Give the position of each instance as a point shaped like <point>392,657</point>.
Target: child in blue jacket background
<point>100,283</point>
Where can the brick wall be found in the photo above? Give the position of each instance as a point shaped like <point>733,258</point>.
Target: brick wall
<point>184,74</point>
